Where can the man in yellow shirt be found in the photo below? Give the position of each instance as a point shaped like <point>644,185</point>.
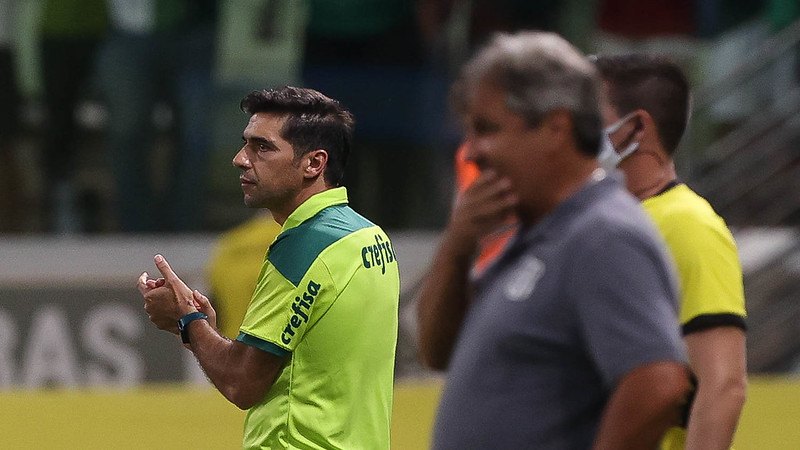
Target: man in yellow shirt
<point>645,111</point>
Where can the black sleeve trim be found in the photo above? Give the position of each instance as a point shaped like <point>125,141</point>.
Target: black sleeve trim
<point>707,321</point>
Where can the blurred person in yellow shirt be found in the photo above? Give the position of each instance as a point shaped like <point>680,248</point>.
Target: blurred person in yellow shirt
<point>234,266</point>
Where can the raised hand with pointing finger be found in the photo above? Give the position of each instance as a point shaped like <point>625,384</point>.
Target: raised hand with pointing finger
<point>320,332</point>
<point>168,299</point>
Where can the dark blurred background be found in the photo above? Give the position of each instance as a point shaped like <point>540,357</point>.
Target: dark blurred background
<point>122,116</point>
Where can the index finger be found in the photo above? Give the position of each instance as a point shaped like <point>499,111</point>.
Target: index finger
<point>167,272</point>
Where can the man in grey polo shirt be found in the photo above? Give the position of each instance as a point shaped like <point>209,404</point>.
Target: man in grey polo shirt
<point>570,338</point>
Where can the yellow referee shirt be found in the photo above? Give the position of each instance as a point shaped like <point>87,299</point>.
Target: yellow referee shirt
<point>707,262</point>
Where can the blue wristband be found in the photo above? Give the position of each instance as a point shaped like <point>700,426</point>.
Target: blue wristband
<point>183,324</point>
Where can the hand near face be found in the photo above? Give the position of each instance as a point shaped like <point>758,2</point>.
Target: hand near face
<point>483,207</point>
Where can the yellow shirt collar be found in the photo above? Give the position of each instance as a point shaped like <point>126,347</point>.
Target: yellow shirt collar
<point>315,204</point>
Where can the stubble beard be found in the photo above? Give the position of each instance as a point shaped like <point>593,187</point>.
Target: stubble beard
<point>266,200</point>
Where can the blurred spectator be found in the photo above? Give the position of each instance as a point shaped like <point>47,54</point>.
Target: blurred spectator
<point>234,267</point>
<point>371,55</point>
<point>642,19</point>
<point>739,29</point>
<point>491,16</point>
<point>468,24</point>
<point>371,32</point>
<point>260,42</point>
<point>782,13</point>
<point>70,32</point>
<point>159,50</point>
<point>650,27</point>
<point>10,193</point>
<point>679,30</point>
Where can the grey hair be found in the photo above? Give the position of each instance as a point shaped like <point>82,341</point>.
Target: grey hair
<point>540,72</point>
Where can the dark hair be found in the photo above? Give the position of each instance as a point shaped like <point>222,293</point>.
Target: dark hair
<point>653,84</point>
<point>540,72</point>
<point>314,121</point>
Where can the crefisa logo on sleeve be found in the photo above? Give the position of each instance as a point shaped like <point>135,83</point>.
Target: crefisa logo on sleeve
<point>378,255</point>
<point>301,308</point>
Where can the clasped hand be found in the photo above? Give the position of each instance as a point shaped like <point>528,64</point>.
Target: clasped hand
<point>167,299</point>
